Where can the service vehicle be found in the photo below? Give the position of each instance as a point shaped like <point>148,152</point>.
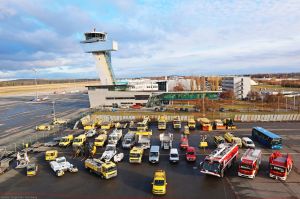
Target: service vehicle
<point>190,154</point>
<point>109,153</point>
<point>144,138</point>
<point>162,122</point>
<point>186,130</point>
<point>267,138</point>
<point>219,125</point>
<point>220,159</point>
<point>143,125</point>
<point>154,154</point>
<point>166,140</point>
<point>250,162</point>
<point>205,124</point>
<point>43,127</point>
<point>228,122</point>
<point>89,126</point>
<point>51,155</point>
<point>280,165</point>
<point>66,141</point>
<point>31,169</point>
<point>61,165</point>
<point>174,155</point>
<point>136,155</point>
<point>129,140</point>
<point>184,142</point>
<point>191,123</point>
<point>100,140</point>
<point>229,137</point>
<point>105,170</point>
<point>177,122</point>
<point>91,133</point>
<point>79,141</point>
<point>106,125</point>
<point>58,121</point>
<point>115,137</point>
<point>159,184</point>
<point>218,139</point>
<point>248,143</point>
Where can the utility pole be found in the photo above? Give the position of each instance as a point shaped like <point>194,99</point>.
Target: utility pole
<point>203,106</point>
<point>53,107</point>
<point>286,105</point>
<point>294,102</point>
<point>278,103</point>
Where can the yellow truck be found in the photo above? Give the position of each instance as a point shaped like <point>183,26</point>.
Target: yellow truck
<point>66,140</point>
<point>229,137</point>
<point>51,155</point>
<point>159,183</point>
<point>177,122</point>
<point>79,140</point>
<point>162,122</point>
<point>219,125</point>
<point>136,155</point>
<point>191,123</point>
<point>100,140</point>
<point>105,170</point>
<point>89,127</point>
<point>31,169</point>
<point>43,127</point>
<point>205,124</point>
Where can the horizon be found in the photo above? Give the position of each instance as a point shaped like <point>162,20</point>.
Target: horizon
<point>175,37</point>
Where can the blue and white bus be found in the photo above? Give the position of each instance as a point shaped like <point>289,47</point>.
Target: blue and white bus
<point>267,138</point>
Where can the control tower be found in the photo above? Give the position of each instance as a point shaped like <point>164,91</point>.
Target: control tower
<point>101,47</point>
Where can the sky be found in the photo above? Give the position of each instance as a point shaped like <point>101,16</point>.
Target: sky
<point>155,37</point>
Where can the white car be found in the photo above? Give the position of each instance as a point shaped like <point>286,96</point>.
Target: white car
<point>109,153</point>
<point>91,133</point>
<point>174,156</point>
<point>60,165</point>
<point>248,143</point>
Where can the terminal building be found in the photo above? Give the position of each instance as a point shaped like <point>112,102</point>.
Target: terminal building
<point>240,85</point>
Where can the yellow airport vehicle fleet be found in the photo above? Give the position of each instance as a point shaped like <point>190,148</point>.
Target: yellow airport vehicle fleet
<point>177,122</point>
<point>162,122</point>
<point>100,140</point>
<point>229,137</point>
<point>159,183</point>
<point>51,155</point>
<point>205,124</point>
<point>66,140</point>
<point>191,123</point>
<point>105,170</point>
<point>136,155</point>
<point>79,140</point>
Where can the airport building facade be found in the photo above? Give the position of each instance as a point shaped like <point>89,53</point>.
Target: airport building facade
<point>240,85</point>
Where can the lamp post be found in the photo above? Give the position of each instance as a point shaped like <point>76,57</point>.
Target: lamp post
<point>35,80</point>
<point>53,107</point>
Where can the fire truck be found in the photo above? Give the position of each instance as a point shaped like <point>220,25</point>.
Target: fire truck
<point>249,164</point>
<point>220,159</point>
<point>280,165</point>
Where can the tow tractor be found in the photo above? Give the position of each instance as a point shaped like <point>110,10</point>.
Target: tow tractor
<point>61,165</point>
<point>109,153</point>
<point>166,140</point>
<point>228,122</point>
<point>51,155</point>
<point>31,169</point>
<point>106,170</point>
<point>250,163</point>
<point>220,159</point>
<point>280,165</point>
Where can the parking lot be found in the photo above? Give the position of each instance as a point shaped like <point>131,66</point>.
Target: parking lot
<point>184,179</point>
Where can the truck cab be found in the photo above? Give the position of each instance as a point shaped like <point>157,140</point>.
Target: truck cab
<point>100,140</point>
<point>162,122</point>
<point>249,164</point>
<point>31,169</point>
<point>280,165</point>
<point>106,170</point>
<point>51,155</point>
<point>159,183</point>
<point>154,154</point>
<point>106,125</point>
<point>136,155</point>
<point>191,123</point>
<point>177,123</point>
<point>79,140</point>
<point>218,139</point>
<point>205,124</point>
<point>129,140</point>
<point>191,154</point>
<point>66,141</point>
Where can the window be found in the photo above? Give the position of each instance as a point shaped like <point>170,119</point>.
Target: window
<point>141,97</point>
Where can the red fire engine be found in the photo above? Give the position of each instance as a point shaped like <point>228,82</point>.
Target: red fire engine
<point>220,159</point>
<point>249,164</point>
<point>280,165</point>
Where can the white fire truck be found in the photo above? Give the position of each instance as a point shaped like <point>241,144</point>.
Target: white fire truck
<point>220,159</point>
<point>249,164</point>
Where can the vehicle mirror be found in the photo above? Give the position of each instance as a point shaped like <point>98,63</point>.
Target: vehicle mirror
<point>201,163</point>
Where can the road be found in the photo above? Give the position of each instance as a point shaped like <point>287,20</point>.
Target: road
<point>19,114</point>
<point>184,179</point>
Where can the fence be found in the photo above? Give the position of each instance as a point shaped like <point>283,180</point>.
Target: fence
<point>267,118</point>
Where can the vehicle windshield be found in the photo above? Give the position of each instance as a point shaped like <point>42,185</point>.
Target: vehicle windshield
<point>159,182</point>
<point>161,123</point>
<point>141,125</point>
<point>211,166</point>
<point>278,169</point>
<point>191,153</point>
<point>64,140</point>
<point>60,160</point>
<point>99,140</point>
<point>246,166</point>
<point>185,142</point>
<point>174,155</point>
<point>191,122</point>
<point>249,142</point>
<point>276,141</point>
<point>127,141</point>
<point>77,140</point>
<point>30,169</point>
<point>109,148</point>
<point>177,122</point>
<point>110,169</point>
<point>135,155</point>
<point>153,154</point>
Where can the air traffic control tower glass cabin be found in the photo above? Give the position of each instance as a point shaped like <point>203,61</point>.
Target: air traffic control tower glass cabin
<point>100,46</point>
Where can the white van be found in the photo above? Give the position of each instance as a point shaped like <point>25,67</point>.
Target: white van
<point>248,143</point>
<point>154,154</point>
<point>174,156</point>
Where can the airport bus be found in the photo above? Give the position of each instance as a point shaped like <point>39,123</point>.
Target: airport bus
<point>267,138</point>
